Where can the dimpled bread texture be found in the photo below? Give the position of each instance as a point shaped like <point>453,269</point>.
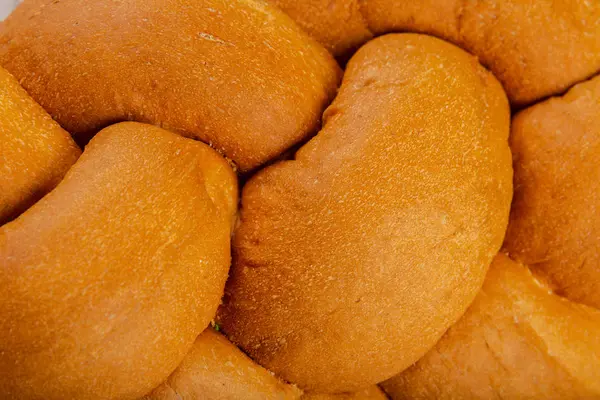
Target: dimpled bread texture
<point>518,340</point>
<point>534,48</point>
<point>35,152</point>
<point>215,369</point>
<point>107,281</point>
<point>238,74</point>
<point>555,220</point>
<point>352,260</point>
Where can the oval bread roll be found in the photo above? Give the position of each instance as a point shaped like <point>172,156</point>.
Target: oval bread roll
<point>517,341</point>
<point>107,281</point>
<point>215,369</point>
<point>35,152</point>
<point>555,220</point>
<point>238,74</point>
<point>534,48</point>
<point>352,260</point>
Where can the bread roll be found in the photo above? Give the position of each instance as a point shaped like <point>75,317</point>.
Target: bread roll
<point>336,24</point>
<point>370,393</point>
<point>35,152</point>
<point>352,260</point>
<point>107,281</point>
<point>535,48</point>
<point>517,341</point>
<point>555,219</point>
<point>217,370</point>
<point>237,74</point>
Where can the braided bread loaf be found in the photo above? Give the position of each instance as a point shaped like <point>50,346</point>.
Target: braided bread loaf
<point>356,257</point>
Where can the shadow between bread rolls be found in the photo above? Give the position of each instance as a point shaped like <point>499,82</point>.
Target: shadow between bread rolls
<point>353,259</point>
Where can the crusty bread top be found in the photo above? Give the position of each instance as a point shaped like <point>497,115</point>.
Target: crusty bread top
<point>535,48</point>
<point>107,280</point>
<point>238,74</point>
<point>215,369</point>
<point>346,262</point>
<point>555,218</point>
<point>517,341</point>
<point>35,152</point>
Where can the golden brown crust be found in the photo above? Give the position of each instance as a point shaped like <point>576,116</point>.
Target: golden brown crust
<point>336,24</point>
<point>517,341</point>
<point>107,280</point>
<point>239,74</point>
<point>345,263</point>
<point>371,393</point>
<point>535,48</point>
<point>35,152</point>
<point>555,219</point>
<point>215,369</point>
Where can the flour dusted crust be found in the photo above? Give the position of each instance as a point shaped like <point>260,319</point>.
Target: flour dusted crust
<point>517,341</point>
<point>107,280</point>
<point>239,75</point>
<point>346,263</point>
<point>35,152</point>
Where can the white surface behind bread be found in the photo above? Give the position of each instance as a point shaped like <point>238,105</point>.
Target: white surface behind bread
<point>6,6</point>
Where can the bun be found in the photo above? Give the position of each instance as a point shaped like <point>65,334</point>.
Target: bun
<point>107,280</point>
<point>177,65</point>
<point>215,369</point>
<point>35,151</point>
<point>355,255</point>
<point>345,267</point>
<point>555,220</point>
<point>517,340</point>
<point>535,49</point>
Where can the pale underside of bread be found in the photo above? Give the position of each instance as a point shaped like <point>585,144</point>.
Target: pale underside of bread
<point>518,340</point>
